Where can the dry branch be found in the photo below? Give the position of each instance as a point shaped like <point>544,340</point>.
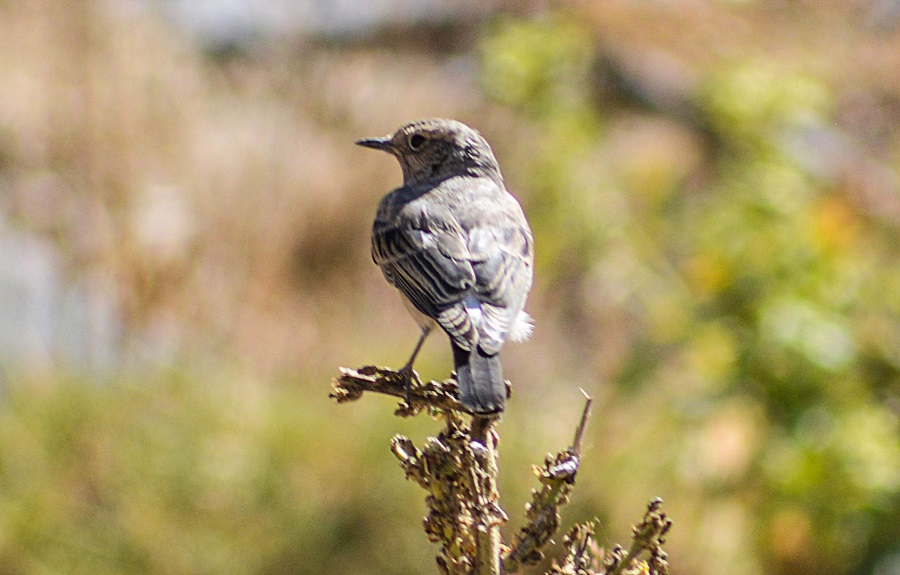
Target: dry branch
<point>458,469</point>
<point>557,477</point>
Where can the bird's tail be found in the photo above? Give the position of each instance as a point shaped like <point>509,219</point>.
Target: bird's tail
<point>480,377</point>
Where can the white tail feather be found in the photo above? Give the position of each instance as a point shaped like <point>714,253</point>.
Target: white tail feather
<point>522,327</point>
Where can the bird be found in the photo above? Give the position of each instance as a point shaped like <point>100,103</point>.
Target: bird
<point>458,247</point>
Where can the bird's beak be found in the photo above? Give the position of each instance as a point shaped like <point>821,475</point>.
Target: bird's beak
<point>383,143</point>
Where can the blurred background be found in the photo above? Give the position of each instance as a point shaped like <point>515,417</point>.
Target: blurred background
<point>714,188</point>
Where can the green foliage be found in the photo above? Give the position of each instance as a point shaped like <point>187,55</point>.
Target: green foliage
<point>736,271</point>
<point>542,65</point>
<point>749,103</point>
<point>177,476</point>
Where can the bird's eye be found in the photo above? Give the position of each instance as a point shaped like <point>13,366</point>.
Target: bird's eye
<point>416,141</point>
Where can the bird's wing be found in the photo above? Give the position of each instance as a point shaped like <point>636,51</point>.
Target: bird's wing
<point>502,254</point>
<point>425,256</point>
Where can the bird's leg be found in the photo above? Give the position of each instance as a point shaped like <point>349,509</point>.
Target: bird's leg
<point>407,370</point>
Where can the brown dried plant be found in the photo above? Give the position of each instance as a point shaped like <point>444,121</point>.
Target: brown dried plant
<point>458,469</point>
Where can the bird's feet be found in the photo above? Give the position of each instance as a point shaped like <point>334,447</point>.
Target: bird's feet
<point>408,375</point>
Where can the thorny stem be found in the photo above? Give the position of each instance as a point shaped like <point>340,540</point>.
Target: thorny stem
<point>585,415</point>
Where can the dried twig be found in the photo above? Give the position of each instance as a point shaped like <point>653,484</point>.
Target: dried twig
<point>648,535</point>
<point>352,383</point>
<point>557,477</point>
<point>489,516</point>
<point>458,469</point>
<point>581,551</point>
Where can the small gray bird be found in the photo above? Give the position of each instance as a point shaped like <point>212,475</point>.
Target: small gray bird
<point>457,246</point>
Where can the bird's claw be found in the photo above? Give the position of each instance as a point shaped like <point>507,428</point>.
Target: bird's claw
<point>408,375</point>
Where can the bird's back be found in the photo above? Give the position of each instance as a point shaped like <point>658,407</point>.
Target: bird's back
<point>457,245</point>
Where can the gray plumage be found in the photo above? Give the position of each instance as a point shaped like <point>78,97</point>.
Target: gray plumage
<point>458,247</point>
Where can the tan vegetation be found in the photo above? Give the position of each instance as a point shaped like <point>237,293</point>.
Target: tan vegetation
<point>714,191</point>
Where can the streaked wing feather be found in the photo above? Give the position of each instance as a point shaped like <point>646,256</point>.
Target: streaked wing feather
<point>415,262</point>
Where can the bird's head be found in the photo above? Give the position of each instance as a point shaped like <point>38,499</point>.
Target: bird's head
<point>436,149</point>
